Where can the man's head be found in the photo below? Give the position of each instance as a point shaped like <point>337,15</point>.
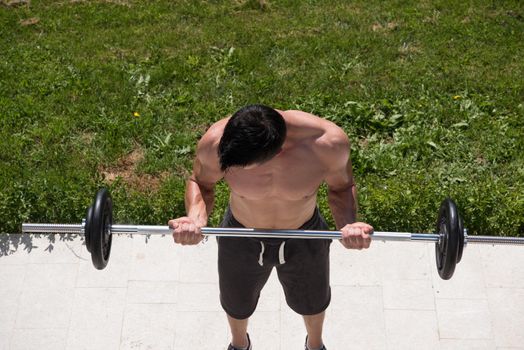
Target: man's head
<point>254,134</point>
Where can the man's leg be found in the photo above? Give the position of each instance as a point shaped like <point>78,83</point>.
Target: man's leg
<point>238,332</point>
<point>314,325</point>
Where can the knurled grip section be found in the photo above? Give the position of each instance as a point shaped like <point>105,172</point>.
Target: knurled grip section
<point>495,240</point>
<point>52,228</point>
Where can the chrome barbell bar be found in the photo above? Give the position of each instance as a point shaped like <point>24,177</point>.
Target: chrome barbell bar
<point>266,233</point>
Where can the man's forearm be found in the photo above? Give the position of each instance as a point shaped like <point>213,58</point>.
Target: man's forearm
<point>199,202</point>
<point>343,204</point>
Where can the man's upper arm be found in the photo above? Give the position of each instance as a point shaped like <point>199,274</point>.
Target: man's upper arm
<point>339,175</point>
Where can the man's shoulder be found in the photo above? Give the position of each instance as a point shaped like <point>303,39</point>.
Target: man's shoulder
<point>328,131</point>
<point>213,134</point>
<point>333,137</point>
<point>333,146</point>
<point>330,134</point>
<point>208,144</point>
<point>325,139</point>
<point>215,131</point>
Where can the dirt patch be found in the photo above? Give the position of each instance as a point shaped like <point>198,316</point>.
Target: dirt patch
<point>386,28</point>
<point>480,160</point>
<point>434,18</point>
<point>363,143</point>
<point>116,2</point>
<point>264,4</point>
<point>15,3</point>
<point>87,138</point>
<point>125,170</point>
<point>408,49</point>
<point>29,21</point>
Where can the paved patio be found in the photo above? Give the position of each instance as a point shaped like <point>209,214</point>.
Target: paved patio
<point>158,295</point>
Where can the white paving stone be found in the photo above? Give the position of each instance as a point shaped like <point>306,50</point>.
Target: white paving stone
<point>198,297</point>
<point>45,248</point>
<point>158,295</point>
<point>401,261</point>
<point>150,292</point>
<point>11,287</point>
<point>501,267</point>
<point>467,281</point>
<point>355,268</point>
<point>149,326</point>
<point>44,276</point>
<point>115,275</point>
<point>264,330</point>
<point>411,329</point>
<point>467,344</point>
<point>15,248</point>
<point>56,249</point>
<point>409,295</point>
<point>464,319</point>
<point>154,258</point>
<point>94,338</point>
<point>44,308</point>
<point>41,339</point>
<point>355,319</point>
<point>293,331</point>
<point>12,276</point>
<point>96,308</point>
<point>19,257</point>
<point>199,263</point>
<point>507,313</point>
<point>97,317</point>
<point>202,330</point>
<point>9,306</point>
<point>5,338</point>
<point>272,295</point>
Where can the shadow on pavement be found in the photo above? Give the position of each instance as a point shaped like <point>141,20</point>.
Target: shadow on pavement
<point>12,243</point>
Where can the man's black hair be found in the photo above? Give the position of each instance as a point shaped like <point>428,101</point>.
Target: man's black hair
<point>254,134</point>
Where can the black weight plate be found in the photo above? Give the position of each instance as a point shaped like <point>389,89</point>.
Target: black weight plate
<point>89,218</point>
<point>461,239</point>
<point>447,250</point>
<point>102,219</point>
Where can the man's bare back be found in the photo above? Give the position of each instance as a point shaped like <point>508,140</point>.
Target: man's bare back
<point>282,192</point>
<point>279,193</point>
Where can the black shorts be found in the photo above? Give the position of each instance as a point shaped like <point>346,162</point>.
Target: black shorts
<point>244,266</point>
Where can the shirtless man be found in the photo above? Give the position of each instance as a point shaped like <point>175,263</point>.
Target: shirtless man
<point>274,162</point>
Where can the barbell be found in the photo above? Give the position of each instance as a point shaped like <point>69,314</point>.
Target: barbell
<point>450,237</point>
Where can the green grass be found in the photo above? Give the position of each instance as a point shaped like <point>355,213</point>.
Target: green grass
<point>430,92</point>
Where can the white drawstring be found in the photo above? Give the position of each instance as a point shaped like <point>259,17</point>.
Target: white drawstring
<point>261,258</point>
<point>281,258</point>
<point>281,253</point>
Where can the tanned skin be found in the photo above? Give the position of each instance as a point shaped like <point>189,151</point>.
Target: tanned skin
<point>280,193</point>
